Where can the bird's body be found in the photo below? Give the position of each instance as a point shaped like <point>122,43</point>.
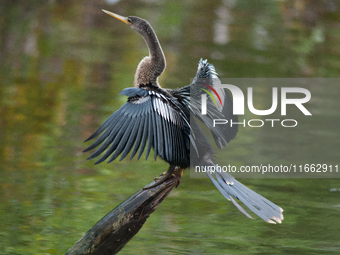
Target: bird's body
<point>162,120</point>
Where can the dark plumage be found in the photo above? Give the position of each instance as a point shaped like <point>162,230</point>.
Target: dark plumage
<point>160,119</point>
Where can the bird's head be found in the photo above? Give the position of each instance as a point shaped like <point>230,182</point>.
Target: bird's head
<point>137,24</point>
<point>151,67</point>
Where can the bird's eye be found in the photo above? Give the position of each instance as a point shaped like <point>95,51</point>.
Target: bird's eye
<point>129,20</point>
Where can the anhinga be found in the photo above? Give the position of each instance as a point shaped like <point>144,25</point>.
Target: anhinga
<point>159,118</point>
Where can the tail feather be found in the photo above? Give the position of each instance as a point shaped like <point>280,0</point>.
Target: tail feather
<point>262,207</point>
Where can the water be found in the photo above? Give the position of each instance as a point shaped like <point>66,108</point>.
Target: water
<point>63,64</point>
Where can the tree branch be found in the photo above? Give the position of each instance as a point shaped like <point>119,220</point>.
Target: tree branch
<point>116,229</point>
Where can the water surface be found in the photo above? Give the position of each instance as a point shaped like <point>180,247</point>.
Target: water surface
<point>63,64</point>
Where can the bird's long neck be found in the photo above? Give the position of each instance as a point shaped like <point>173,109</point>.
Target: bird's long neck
<point>151,67</point>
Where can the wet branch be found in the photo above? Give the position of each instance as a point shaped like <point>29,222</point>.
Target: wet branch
<point>116,229</point>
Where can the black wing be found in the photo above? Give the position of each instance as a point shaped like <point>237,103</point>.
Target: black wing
<point>206,75</point>
<point>149,119</point>
<point>222,134</point>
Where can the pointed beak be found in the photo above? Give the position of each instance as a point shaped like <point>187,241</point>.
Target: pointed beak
<point>121,18</point>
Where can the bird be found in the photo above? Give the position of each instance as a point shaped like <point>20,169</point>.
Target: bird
<point>166,121</point>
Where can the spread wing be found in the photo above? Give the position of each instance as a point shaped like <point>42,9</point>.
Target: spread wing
<point>148,120</point>
<point>206,78</point>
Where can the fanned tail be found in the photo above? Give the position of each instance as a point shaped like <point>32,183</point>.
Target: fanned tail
<point>262,207</point>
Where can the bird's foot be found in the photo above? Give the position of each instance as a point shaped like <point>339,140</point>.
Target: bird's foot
<point>163,177</point>
<point>160,176</point>
<point>179,172</point>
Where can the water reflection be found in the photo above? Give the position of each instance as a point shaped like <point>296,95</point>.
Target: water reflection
<point>62,66</point>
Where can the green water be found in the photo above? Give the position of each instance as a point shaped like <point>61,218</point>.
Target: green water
<point>62,66</point>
